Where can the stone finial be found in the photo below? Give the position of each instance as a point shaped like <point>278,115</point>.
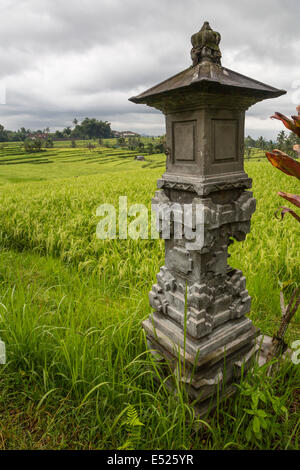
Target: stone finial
<point>206,45</point>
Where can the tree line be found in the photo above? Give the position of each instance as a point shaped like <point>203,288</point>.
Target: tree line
<point>89,128</point>
<point>157,145</point>
<point>284,142</point>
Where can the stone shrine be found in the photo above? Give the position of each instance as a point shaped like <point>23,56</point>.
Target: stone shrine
<point>199,324</point>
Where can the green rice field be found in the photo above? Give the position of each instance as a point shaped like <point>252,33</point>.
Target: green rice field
<point>78,374</point>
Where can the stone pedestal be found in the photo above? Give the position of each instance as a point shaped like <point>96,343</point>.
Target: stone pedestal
<point>199,324</point>
<point>199,301</point>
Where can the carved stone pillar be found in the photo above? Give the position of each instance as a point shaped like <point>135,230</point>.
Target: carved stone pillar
<point>200,303</point>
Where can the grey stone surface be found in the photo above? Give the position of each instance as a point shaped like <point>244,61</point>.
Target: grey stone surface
<point>199,325</point>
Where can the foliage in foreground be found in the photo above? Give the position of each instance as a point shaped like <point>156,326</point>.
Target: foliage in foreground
<point>290,167</point>
<point>286,164</point>
<point>79,375</point>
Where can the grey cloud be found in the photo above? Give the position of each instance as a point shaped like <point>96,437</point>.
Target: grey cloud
<point>86,58</point>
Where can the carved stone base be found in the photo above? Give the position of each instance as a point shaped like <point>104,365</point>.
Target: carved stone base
<point>199,325</point>
<point>213,379</point>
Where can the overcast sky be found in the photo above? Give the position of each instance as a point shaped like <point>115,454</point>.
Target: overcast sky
<point>77,58</point>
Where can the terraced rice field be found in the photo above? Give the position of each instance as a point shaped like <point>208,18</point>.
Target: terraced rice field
<point>64,162</point>
<point>71,308</point>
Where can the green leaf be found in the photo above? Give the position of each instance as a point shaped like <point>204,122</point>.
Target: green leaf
<point>248,434</point>
<point>126,446</point>
<point>263,423</point>
<point>256,425</point>
<point>255,398</point>
<point>261,413</point>
<point>263,397</point>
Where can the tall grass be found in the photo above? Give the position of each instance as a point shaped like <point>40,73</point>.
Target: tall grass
<point>58,218</point>
<point>79,374</point>
<point>78,363</point>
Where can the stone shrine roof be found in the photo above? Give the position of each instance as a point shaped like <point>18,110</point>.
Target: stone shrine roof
<point>207,75</point>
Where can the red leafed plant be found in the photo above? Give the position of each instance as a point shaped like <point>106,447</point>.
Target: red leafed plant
<point>290,167</point>
<point>285,163</point>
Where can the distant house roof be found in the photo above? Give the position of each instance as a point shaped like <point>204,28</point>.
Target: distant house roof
<point>129,134</point>
<point>38,136</point>
<point>125,134</point>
